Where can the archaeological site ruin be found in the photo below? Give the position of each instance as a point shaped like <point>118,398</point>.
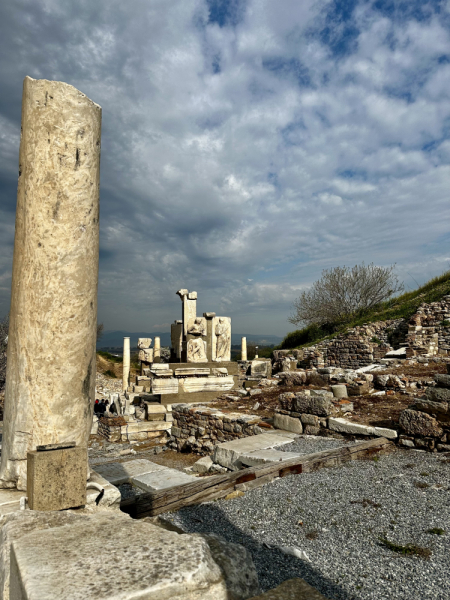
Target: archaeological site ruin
<point>200,477</point>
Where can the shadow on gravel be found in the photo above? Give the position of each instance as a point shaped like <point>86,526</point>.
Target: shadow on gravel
<point>273,565</point>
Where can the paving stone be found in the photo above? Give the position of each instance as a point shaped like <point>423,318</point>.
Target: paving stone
<point>262,457</point>
<point>228,453</point>
<point>117,473</point>
<point>159,480</point>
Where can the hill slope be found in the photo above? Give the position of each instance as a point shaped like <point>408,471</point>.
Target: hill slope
<point>401,307</point>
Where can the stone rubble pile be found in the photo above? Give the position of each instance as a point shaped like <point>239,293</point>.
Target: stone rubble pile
<point>426,423</point>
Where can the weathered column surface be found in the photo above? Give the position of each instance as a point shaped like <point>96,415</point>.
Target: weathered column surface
<point>243,348</point>
<point>126,363</point>
<point>50,381</point>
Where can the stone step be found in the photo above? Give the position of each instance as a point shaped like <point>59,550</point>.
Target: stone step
<point>344,426</point>
<point>262,457</point>
<point>160,480</point>
<point>228,454</point>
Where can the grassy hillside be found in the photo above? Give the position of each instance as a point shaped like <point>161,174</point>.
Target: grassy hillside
<point>403,306</point>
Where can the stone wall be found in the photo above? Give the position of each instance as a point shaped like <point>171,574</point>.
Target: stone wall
<point>199,429</point>
<point>426,423</point>
<point>429,329</point>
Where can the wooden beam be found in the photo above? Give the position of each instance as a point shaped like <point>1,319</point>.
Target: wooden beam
<point>213,487</point>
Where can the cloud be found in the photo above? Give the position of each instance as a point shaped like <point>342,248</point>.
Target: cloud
<point>246,145</point>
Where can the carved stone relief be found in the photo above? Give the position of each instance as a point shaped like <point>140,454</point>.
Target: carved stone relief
<point>196,350</point>
<point>146,355</point>
<point>221,339</point>
<point>144,343</point>
<point>197,326</point>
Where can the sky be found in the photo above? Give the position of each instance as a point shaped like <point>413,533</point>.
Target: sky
<point>246,145</point>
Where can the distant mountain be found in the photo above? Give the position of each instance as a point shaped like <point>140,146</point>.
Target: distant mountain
<point>114,339</point>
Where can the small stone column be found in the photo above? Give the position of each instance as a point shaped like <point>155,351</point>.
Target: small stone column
<point>126,364</point>
<point>243,348</point>
<point>50,381</point>
<point>157,350</point>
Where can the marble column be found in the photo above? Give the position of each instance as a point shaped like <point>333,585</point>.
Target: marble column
<point>50,381</point>
<point>243,348</point>
<point>157,350</point>
<point>126,363</point>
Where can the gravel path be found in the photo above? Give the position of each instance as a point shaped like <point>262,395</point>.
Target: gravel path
<point>337,516</point>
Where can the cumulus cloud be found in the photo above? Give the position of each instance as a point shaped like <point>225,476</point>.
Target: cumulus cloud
<point>247,144</point>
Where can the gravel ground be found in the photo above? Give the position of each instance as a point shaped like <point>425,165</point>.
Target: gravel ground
<point>312,443</point>
<point>337,516</point>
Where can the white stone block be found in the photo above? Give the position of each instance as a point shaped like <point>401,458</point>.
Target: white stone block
<point>150,482</point>
<point>185,372</point>
<point>343,426</point>
<point>287,423</point>
<point>165,386</point>
<point>228,454</point>
<point>206,384</point>
<point>262,457</point>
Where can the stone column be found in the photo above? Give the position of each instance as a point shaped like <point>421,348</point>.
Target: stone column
<point>243,348</point>
<point>157,350</point>
<point>126,363</point>
<point>50,382</point>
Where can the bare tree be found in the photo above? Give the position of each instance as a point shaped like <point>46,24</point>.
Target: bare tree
<point>4,327</point>
<point>344,291</point>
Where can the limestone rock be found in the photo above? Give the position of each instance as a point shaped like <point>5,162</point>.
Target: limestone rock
<point>427,406</point>
<point>293,378</point>
<point>343,426</point>
<point>415,422</point>
<point>236,564</point>
<point>339,391</point>
<point>313,405</point>
<point>442,380</point>
<point>287,423</point>
<point>203,465</point>
<point>56,562</point>
<point>437,394</point>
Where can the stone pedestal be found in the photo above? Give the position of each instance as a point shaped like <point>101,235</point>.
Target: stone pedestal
<point>126,364</point>
<point>56,479</point>
<point>50,383</point>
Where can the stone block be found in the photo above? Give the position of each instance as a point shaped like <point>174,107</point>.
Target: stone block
<point>442,380</point>
<point>310,420</point>
<point>437,394</point>
<point>203,465</point>
<point>427,406</point>
<point>165,386</point>
<point>190,371</point>
<point>51,561</point>
<point>56,479</point>
<point>109,499</point>
<point>313,405</point>
<point>117,473</point>
<point>228,454</point>
<point>263,457</point>
<point>322,394</point>
<point>160,480</point>
<point>206,384</point>
<point>414,422</point>
<point>339,391</point>
<point>287,423</point>
<point>261,368</point>
<point>144,343</point>
<point>343,426</point>
<point>155,412</point>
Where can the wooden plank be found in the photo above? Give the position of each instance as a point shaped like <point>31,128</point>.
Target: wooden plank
<point>208,488</point>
